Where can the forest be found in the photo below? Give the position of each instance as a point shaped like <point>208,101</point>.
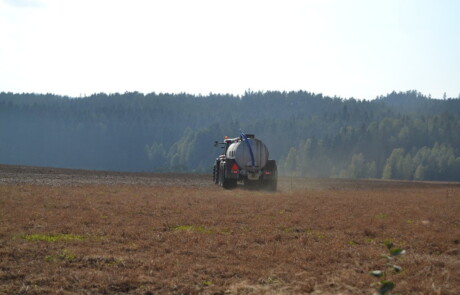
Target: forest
<point>401,135</point>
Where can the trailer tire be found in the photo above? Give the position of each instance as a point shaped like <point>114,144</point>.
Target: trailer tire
<point>270,185</point>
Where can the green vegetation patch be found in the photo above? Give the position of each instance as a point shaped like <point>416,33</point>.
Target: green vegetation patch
<point>206,283</point>
<point>64,255</point>
<point>226,231</point>
<point>53,238</point>
<point>385,286</point>
<point>192,228</point>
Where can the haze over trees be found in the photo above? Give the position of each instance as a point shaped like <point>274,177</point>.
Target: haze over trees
<point>398,136</point>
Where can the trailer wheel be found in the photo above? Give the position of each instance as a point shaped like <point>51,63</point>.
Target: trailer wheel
<point>270,185</point>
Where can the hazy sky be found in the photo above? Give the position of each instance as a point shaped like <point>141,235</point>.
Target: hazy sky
<point>348,48</point>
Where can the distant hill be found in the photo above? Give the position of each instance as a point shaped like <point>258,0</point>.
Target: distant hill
<point>403,135</point>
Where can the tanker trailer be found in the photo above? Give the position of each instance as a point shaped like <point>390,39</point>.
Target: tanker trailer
<point>245,160</point>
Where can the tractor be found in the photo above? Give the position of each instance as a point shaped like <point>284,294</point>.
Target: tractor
<point>245,160</point>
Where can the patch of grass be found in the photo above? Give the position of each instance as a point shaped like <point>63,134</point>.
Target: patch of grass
<point>192,228</point>
<point>312,233</point>
<point>271,280</point>
<point>370,241</point>
<point>226,231</point>
<point>64,255</point>
<point>53,238</point>
<point>287,230</point>
<point>206,283</point>
<point>67,255</point>
<point>320,235</point>
<point>316,234</point>
<point>353,243</point>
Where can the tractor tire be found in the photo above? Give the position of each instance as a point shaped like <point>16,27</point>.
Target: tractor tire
<point>215,175</point>
<point>231,184</point>
<point>225,182</point>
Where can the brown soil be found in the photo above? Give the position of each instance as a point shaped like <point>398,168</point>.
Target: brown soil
<point>86,232</point>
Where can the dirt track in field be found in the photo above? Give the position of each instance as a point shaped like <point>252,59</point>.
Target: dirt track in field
<point>68,231</point>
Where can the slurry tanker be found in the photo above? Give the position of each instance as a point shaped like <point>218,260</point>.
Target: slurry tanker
<point>245,160</point>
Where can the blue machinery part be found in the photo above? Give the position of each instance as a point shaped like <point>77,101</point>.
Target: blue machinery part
<point>244,137</point>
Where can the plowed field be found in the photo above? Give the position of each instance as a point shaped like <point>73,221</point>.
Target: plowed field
<point>86,232</point>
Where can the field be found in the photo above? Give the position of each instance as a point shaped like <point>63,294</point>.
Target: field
<point>82,232</point>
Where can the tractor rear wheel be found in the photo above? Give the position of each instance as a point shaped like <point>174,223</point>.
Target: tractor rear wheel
<point>226,183</point>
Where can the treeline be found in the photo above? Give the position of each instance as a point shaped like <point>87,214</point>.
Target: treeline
<point>398,136</point>
<point>392,148</point>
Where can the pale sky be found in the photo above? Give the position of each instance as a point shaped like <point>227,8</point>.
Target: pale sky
<point>348,48</point>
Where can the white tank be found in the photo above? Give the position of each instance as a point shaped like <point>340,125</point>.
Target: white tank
<point>240,152</point>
